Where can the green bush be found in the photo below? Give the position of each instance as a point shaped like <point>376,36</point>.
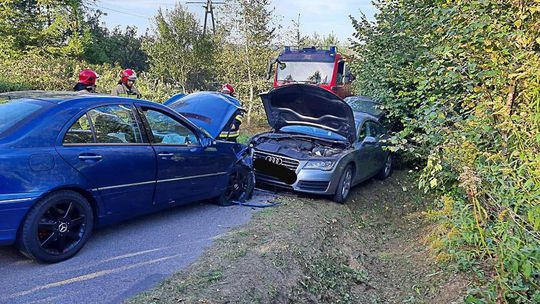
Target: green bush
<point>38,72</point>
<point>460,82</point>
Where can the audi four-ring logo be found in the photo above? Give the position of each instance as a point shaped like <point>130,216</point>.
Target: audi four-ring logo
<point>274,160</point>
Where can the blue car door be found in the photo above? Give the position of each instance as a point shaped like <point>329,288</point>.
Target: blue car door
<point>107,147</point>
<point>185,170</point>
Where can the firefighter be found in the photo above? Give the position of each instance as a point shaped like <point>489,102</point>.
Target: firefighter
<point>233,131</point>
<point>87,81</point>
<point>126,85</point>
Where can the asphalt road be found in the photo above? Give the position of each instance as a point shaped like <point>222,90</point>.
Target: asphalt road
<point>122,260</point>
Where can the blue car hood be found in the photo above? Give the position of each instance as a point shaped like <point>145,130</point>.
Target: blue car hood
<point>309,105</point>
<point>211,111</point>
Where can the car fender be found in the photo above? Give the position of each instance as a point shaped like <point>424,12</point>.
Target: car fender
<point>347,158</point>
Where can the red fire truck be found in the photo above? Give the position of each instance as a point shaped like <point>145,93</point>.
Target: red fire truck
<point>324,68</point>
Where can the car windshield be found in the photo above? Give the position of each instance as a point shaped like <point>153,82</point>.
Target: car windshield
<point>311,72</point>
<point>313,131</point>
<point>13,113</point>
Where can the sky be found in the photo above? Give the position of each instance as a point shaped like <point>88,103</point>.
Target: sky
<point>321,16</point>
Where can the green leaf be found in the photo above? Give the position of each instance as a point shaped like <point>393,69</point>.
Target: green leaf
<point>527,270</point>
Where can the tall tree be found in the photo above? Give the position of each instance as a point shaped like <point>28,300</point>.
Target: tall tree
<point>50,26</point>
<point>250,30</point>
<point>294,36</point>
<point>178,50</point>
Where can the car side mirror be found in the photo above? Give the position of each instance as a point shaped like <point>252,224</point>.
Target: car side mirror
<point>207,142</point>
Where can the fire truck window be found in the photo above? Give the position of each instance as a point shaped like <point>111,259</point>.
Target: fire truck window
<point>339,77</point>
<point>349,77</point>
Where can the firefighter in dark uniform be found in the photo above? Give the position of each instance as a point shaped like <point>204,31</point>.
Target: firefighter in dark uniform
<point>126,85</point>
<point>87,81</point>
<point>233,131</point>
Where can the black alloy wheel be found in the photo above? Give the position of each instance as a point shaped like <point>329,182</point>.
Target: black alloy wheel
<point>57,227</point>
<point>240,186</point>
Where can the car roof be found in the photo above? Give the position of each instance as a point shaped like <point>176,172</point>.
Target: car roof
<point>50,96</point>
<point>61,97</point>
<point>360,98</point>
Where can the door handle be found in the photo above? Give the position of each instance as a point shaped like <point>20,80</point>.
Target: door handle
<point>95,157</point>
<point>165,154</point>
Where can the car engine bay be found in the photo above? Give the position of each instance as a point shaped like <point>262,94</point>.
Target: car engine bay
<point>298,147</point>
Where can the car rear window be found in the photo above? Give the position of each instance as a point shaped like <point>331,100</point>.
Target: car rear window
<point>15,113</point>
<point>362,104</point>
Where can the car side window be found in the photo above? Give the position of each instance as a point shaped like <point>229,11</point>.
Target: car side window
<point>168,131</point>
<point>115,124</point>
<point>363,132</point>
<point>80,132</point>
<point>373,129</point>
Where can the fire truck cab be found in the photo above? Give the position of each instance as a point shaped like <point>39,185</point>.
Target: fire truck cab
<point>324,68</point>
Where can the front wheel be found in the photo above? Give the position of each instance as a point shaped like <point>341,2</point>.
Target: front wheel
<point>344,185</point>
<point>240,186</point>
<point>386,171</point>
<point>56,228</point>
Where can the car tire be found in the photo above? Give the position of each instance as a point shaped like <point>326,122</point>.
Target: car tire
<point>344,185</point>
<point>56,228</point>
<point>385,171</point>
<point>239,188</point>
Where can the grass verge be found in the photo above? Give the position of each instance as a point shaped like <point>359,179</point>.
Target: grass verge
<point>311,250</point>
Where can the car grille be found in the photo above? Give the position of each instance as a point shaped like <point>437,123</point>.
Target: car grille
<point>313,185</point>
<point>289,163</point>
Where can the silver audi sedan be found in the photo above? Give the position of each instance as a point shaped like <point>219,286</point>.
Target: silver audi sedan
<point>318,143</point>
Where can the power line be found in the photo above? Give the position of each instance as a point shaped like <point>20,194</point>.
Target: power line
<point>208,6</point>
<point>122,12</point>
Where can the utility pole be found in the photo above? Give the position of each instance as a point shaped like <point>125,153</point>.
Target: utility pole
<point>208,6</point>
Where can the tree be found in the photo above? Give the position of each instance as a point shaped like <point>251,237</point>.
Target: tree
<point>294,34</point>
<point>249,31</point>
<point>323,41</point>
<point>179,52</point>
<point>50,26</point>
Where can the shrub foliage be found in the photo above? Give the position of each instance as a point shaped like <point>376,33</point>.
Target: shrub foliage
<point>461,84</point>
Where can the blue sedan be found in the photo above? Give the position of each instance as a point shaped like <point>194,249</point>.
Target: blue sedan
<point>70,162</point>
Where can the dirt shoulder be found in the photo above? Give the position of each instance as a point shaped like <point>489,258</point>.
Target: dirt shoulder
<point>311,250</point>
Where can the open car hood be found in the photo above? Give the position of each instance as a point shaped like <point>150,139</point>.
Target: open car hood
<point>211,111</point>
<point>303,104</point>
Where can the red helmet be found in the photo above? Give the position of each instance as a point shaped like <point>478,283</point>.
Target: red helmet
<point>128,74</point>
<point>227,89</point>
<point>88,77</point>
